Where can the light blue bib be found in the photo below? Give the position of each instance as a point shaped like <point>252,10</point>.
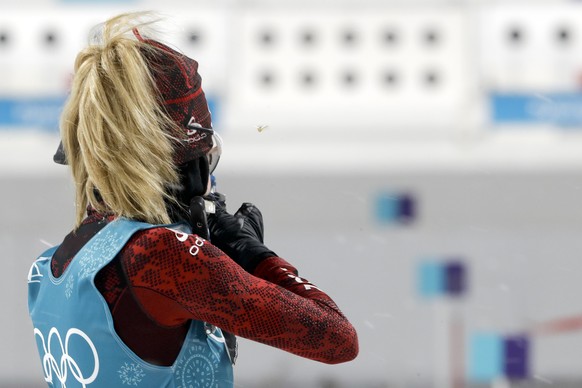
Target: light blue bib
<point>76,339</point>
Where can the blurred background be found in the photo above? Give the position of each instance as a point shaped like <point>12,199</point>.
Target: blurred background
<point>421,161</point>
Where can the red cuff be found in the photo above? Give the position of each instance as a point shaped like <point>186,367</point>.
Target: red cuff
<point>268,268</point>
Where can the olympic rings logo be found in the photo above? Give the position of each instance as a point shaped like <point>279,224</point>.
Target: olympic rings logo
<point>61,368</point>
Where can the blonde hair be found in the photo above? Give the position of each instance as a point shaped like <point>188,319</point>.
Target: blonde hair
<point>114,130</point>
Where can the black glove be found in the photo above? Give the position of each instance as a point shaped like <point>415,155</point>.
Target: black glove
<point>240,236</point>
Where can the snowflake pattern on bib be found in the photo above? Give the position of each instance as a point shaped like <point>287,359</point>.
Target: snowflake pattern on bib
<point>97,253</point>
<point>131,374</point>
<point>198,368</point>
<point>69,285</point>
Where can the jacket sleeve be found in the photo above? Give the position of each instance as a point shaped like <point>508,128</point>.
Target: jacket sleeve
<point>177,277</point>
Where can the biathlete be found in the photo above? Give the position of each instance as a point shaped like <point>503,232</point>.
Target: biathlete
<point>154,282</point>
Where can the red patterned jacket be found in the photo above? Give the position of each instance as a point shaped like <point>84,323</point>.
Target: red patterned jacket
<point>163,279</point>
